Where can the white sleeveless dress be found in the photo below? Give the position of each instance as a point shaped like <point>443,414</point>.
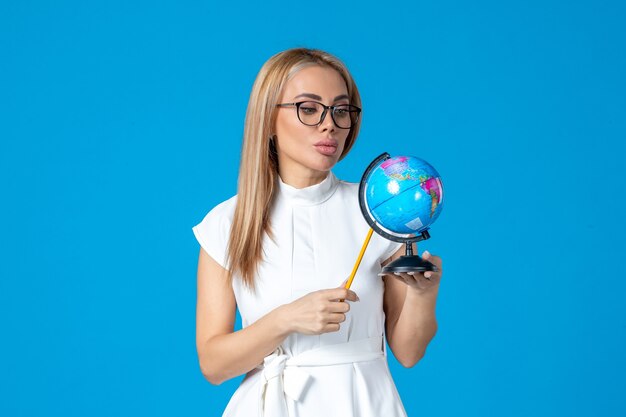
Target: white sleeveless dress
<point>318,232</point>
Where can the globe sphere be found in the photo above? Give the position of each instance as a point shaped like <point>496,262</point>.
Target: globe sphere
<point>404,194</point>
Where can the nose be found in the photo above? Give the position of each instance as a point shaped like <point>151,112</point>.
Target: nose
<point>327,122</point>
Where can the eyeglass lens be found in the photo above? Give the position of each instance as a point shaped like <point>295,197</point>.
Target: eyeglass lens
<point>310,113</point>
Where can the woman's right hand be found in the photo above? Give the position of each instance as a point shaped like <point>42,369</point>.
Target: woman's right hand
<point>318,312</point>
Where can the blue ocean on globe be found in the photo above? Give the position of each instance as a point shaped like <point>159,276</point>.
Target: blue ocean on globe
<point>404,194</point>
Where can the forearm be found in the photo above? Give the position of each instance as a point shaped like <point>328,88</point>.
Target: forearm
<point>229,355</point>
<point>415,327</point>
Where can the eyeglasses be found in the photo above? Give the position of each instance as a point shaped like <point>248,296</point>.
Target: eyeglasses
<point>312,113</point>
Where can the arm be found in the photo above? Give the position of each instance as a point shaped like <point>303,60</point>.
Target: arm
<point>225,354</point>
<point>409,304</point>
<point>215,321</point>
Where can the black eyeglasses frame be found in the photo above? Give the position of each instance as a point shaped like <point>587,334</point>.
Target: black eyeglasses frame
<point>353,108</point>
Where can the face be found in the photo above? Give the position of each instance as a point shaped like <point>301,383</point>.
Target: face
<point>307,153</point>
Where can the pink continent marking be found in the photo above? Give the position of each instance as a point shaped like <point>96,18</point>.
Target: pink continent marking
<point>392,161</point>
<point>431,186</point>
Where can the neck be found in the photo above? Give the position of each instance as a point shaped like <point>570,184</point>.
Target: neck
<point>303,180</point>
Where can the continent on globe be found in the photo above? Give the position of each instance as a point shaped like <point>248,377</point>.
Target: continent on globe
<point>433,187</point>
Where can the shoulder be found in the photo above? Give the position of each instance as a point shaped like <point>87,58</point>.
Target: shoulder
<point>224,210</point>
<point>213,231</point>
<point>348,189</point>
<point>345,196</point>
<point>219,218</point>
<point>348,186</point>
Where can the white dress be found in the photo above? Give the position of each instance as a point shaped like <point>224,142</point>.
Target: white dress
<point>318,232</point>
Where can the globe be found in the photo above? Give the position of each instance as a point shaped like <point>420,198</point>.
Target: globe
<point>400,198</point>
<point>404,194</point>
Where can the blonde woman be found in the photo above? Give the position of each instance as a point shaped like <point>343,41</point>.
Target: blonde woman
<point>280,249</point>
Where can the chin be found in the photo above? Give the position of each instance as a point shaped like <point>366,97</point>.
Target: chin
<point>310,160</point>
<point>324,163</point>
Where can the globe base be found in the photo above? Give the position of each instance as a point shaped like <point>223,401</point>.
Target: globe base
<point>411,263</point>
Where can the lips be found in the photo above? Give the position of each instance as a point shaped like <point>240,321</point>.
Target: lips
<point>327,142</point>
<point>326,147</point>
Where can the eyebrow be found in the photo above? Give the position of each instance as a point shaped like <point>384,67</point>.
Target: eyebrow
<point>316,97</point>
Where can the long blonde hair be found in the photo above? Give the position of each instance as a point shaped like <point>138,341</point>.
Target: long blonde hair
<point>258,171</point>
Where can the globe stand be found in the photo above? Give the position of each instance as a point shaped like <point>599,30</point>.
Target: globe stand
<point>410,262</point>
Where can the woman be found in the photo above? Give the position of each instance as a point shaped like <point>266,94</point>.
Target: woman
<point>280,249</point>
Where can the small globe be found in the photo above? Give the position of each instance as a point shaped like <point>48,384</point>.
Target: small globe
<point>403,194</point>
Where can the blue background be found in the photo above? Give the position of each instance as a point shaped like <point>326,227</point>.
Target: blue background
<point>120,127</point>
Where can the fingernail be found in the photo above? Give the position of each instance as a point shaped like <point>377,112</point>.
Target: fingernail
<point>425,254</point>
<point>428,274</point>
<point>411,273</point>
<point>357,298</point>
<point>396,274</point>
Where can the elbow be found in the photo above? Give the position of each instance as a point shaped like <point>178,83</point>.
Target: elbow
<point>210,368</point>
<point>210,373</point>
<point>412,360</point>
<point>213,377</point>
<point>411,356</point>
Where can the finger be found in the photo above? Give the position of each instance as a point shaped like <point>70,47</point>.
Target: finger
<point>343,285</point>
<point>433,259</point>
<point>404,273</point>
<point>338,307</point>
<point>331,327</point>
<point>341,294</point>
<point>405,278</point>
<point>436,260</point>
<point>432,276</point>
<point>336,318</point>
<point>398,276</point>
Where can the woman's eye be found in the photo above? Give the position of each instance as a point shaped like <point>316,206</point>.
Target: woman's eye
<point>341,112</point>
<point>308,110</point>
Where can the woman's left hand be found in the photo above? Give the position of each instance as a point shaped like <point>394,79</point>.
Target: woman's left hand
<point>423,282</point>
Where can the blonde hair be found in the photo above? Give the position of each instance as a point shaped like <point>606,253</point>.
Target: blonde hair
<point>258,171</point>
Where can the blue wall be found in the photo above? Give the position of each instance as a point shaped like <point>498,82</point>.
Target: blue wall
<point>120,127</point>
